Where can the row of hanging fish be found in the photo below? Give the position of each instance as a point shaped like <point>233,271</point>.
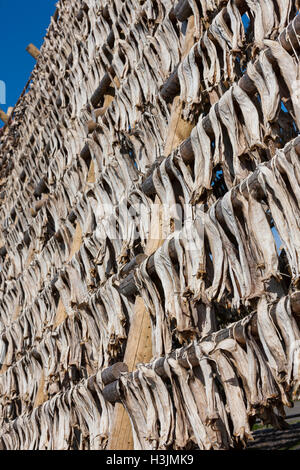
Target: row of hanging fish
<point>74,295</point>
<point>141,63</point>
<point>78,419</point>
<point>44,128</point>
<point>214,404</point>
<point>47,124</point>
<point>75,188</point>
<point>40,317</point>
<point>225,254</point>
<point>218,58</point>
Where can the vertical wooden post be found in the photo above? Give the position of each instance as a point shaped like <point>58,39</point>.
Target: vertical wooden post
<point>139,342</point>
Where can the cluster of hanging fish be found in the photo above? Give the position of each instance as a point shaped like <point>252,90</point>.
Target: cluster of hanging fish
<point>226,254</point>
<point>62,317</point>
<point>213,404</point>
<point>79,419</point>
<point>219,56</point>
<point>66,176</point>
<point>41,347</point>
<point>141,63</point>
<point>56,322</point>
<point>244,147</point>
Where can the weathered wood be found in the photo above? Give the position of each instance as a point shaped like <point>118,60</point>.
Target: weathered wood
<point>171,87</point>
<point>181,128</point>
<point>139,334</point>
<point>128,287</point>
<point>41,396</point>
<point>33,51</point>
<point>111,393</point>
<point>103,87</point>
<point>108,97</point>
<point>133,263</point>
<point>92,125</point>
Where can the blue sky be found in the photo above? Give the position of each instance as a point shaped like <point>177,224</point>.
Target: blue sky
<point>21,22</point>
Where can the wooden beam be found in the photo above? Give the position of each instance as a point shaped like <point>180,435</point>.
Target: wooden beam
<point>136,351</point>
<point>138,347</point>
<point>33,51</point>
<point>113,372</point>
<point>41,396</point>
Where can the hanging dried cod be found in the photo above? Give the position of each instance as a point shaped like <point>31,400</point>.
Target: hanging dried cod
<point>213,401</point>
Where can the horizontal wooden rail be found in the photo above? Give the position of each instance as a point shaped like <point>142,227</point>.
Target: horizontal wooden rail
<point>246,84</point>
<point>171,88</point>
<point>113,372</point>
<point>187,356</point>
<point>128,287</point>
